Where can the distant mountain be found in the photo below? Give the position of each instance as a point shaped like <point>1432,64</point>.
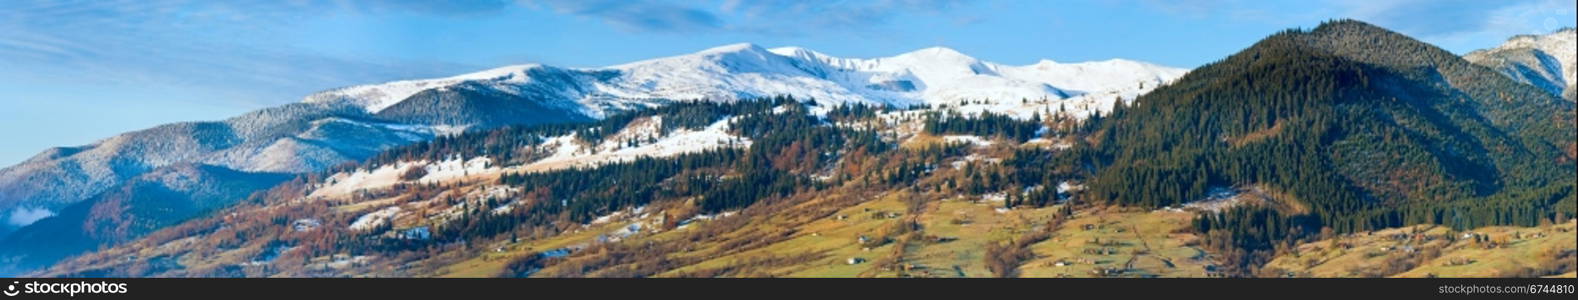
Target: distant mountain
<point>142,204</point>
<point>290,138</point>
<point>1545,61</point>
<point>354,123</point>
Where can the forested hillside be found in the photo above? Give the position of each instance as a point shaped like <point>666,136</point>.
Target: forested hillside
<point>1362,127</point>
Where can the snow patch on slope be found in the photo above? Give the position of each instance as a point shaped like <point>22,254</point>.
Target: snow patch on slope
<point>566,151</point>
<point>344,183</point>
<point>27,215</point>
<point>569,152</point>
<point>374,219</point>
<point>968,139</point>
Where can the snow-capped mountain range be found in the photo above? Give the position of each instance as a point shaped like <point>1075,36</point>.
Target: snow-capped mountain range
<point>927,76</point>
<point>1545,61</point>
<point>353,123</point>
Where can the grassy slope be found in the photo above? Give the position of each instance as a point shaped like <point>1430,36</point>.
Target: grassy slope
<point>1423,251</point>
<point>1143,243</point>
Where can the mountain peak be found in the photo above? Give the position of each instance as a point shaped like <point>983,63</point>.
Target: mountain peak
<point>497,73</point>
<point>1564,35</point>
<point>940,49</point>
<point>733,48</point>
<point>376,97</point>
<point>792,51</point>
<point>937,52</point>
<point>1346,25</point>
<point>1543,60</point>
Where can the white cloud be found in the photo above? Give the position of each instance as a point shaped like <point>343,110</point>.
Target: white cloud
<point>22,216</point>
<point>213,44</point>
<point>1460,19</point>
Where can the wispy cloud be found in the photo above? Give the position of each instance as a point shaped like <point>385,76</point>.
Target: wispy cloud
<point>1457,25</point>
<point>1195,9</point>
<point>1447,19</point>
<point>770,17</point>
<point>833,14</point>
<point>448,7</point>
<point>217,44</point>
<point>637,15</point>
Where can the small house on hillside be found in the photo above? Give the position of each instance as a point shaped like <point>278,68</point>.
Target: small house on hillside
<point>416,233</point>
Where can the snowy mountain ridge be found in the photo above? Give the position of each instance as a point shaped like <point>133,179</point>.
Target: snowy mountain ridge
<point>1545,61</point>
<point>928,76</point>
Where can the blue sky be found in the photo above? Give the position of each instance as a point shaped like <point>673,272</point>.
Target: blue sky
<point>72,72</point>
